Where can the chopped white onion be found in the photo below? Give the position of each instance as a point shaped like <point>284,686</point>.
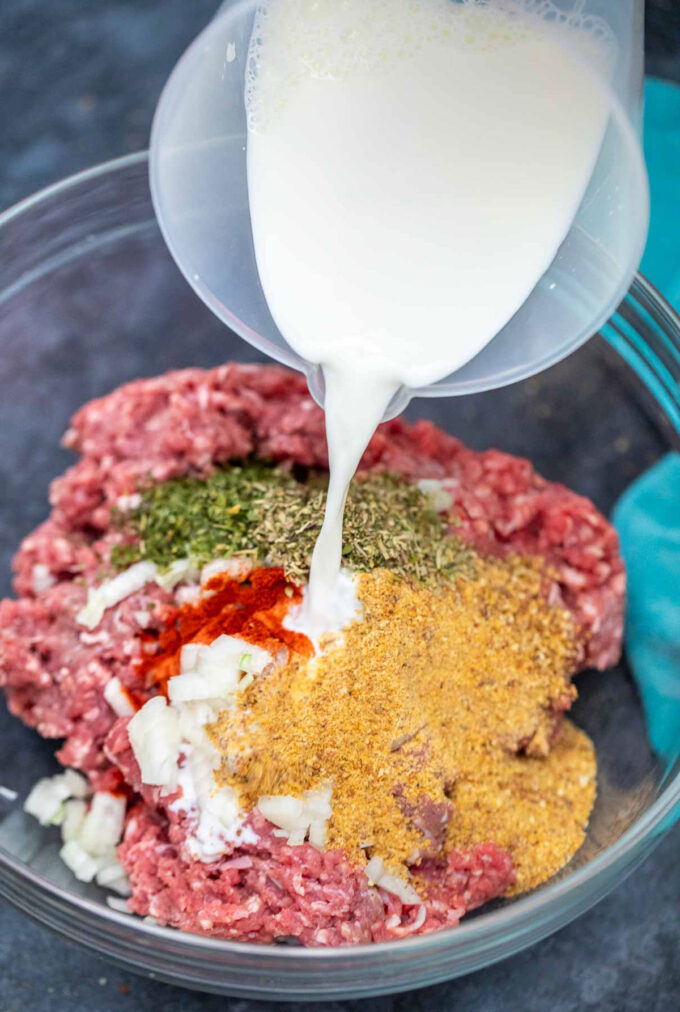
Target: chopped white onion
<point>89,836</point>
<point>189,593</point>
<point>83,865</point>
<point>160,732</point>
<point>117,698</point>
<point>228,650</point>
<point>74,816</point>
<point>214,671</point>
<point>111,592</point>
<point>179,571</point>
<point>439,498</point>
<point>155,739</point>
<point>119,905</point>
<point>318,803</point>
<point>318,833</point>
<point>77,783</point>
<point>128,502</point>
<point>119,885</point>
<point>46,800</point>
<point>374,869</point>
<point>192,719</point>
<point>112,876</point>
<point>377,874</point>
<point>393,884</point>
<point>223,804</point>
<point>41,578</point>
<point>300,817</point>
<point>188,657</point>
<point>209,684</point>
<point>131,580</point>
<point>236,568</point>
<point>297,837</point>
<point>103,825</point>
<point>283,810</point>
<point>215,814</point>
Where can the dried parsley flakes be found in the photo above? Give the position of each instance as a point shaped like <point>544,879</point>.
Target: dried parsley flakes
<point>260,511</point>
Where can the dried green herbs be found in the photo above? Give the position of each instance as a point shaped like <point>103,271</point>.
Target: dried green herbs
<point>260,511</point>
<point>202,519</point>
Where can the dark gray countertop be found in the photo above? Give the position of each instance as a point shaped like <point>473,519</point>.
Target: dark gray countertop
<point>79,80</point>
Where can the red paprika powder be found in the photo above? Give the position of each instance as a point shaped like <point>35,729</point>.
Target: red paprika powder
<point>251,608</point>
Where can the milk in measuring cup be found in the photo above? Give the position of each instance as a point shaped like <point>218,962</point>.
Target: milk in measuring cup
<point>413,166</point>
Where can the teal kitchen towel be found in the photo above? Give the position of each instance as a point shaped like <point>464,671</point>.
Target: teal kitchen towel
<point>647,516</point>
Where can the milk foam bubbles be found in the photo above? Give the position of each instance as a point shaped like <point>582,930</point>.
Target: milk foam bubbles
<point>413,166</point>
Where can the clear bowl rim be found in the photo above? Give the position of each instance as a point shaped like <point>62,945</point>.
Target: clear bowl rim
<point>519,913</point>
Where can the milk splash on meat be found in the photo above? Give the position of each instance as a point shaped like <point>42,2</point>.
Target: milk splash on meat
<point>413,167</point>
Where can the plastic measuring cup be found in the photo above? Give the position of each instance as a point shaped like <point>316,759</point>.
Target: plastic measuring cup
<point>199,189</point>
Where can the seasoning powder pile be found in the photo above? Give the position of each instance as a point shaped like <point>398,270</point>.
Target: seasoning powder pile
<point>432,719</point>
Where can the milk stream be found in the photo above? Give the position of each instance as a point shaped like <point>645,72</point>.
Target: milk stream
<point>413,166</point>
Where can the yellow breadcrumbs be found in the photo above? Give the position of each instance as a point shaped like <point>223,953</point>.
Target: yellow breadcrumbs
<point>440,702</point>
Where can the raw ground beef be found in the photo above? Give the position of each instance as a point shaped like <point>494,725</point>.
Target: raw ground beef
<point>54,672</point>
<point>268,891</point>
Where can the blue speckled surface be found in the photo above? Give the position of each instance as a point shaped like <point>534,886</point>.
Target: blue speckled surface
<point>79,80</point>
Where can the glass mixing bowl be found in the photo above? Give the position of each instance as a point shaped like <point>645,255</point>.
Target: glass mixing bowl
<point>90,298</point>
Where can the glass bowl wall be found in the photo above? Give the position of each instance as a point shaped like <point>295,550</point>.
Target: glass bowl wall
<point>90,298</point>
